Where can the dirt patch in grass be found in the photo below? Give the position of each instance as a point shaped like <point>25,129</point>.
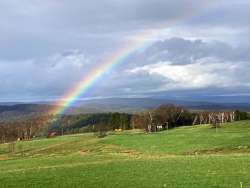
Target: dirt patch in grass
<point>2,158</point>
<point>220,151</point>
<point>84,152</point>
<point>130,153</point>
<point>120,151</point>
<point>36,168</point>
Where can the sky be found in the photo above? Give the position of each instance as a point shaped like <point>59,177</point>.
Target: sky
<point>188,46</point>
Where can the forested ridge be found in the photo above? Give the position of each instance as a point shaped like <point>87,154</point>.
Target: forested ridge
<point>161,118</point>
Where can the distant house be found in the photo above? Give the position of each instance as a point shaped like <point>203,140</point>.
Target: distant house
<point>24,138</point>
<point>154,127</point>
<point>52,134</point>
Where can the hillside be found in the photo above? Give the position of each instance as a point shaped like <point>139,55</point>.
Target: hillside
<point>17,111</point>
<point>128,105</point>
<point>183,157</point>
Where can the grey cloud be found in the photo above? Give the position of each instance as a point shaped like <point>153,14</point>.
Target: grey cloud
<point>34,79</point>
<point>182,64</point>
<point>166,65</point>
<point>81,13</point>
<point>123,83</point>
<point>39,28</point>
<point>226,13</point>
<point>37,38</point>
<point>183,51</point>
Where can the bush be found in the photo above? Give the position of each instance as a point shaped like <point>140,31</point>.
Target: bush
<point>240,115</point>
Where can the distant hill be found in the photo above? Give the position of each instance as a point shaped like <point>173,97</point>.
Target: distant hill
<point>138,104</point>
<point>129,105</point>
<point>14,111</point>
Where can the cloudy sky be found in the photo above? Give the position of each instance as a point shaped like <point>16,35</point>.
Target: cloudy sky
<point>187,46</point>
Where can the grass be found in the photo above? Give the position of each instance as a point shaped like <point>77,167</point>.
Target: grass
<point>182,157</point>
<point>187,139</point>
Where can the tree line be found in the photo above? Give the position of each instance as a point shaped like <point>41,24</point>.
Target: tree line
<point>24,128</point>
<point>163,117</point>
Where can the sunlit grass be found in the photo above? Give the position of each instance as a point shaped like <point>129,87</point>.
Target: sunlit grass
<point>183,157</point>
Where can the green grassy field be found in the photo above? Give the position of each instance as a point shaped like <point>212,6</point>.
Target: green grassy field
<point>183,157</point>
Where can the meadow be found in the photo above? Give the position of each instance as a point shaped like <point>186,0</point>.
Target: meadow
<point>191,156</point>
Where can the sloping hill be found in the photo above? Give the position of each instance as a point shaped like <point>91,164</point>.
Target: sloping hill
<point>183,157</point>
<point>128,105</point>
<point>230,138</point>
<point>15,111</point>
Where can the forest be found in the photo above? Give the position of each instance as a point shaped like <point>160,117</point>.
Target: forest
<point>44,125</point>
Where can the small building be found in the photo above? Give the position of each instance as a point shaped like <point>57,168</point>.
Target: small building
<point>52,134</point>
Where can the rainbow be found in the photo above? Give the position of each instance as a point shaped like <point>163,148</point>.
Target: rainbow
<point>92,77</point>
<point>141,40</point>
